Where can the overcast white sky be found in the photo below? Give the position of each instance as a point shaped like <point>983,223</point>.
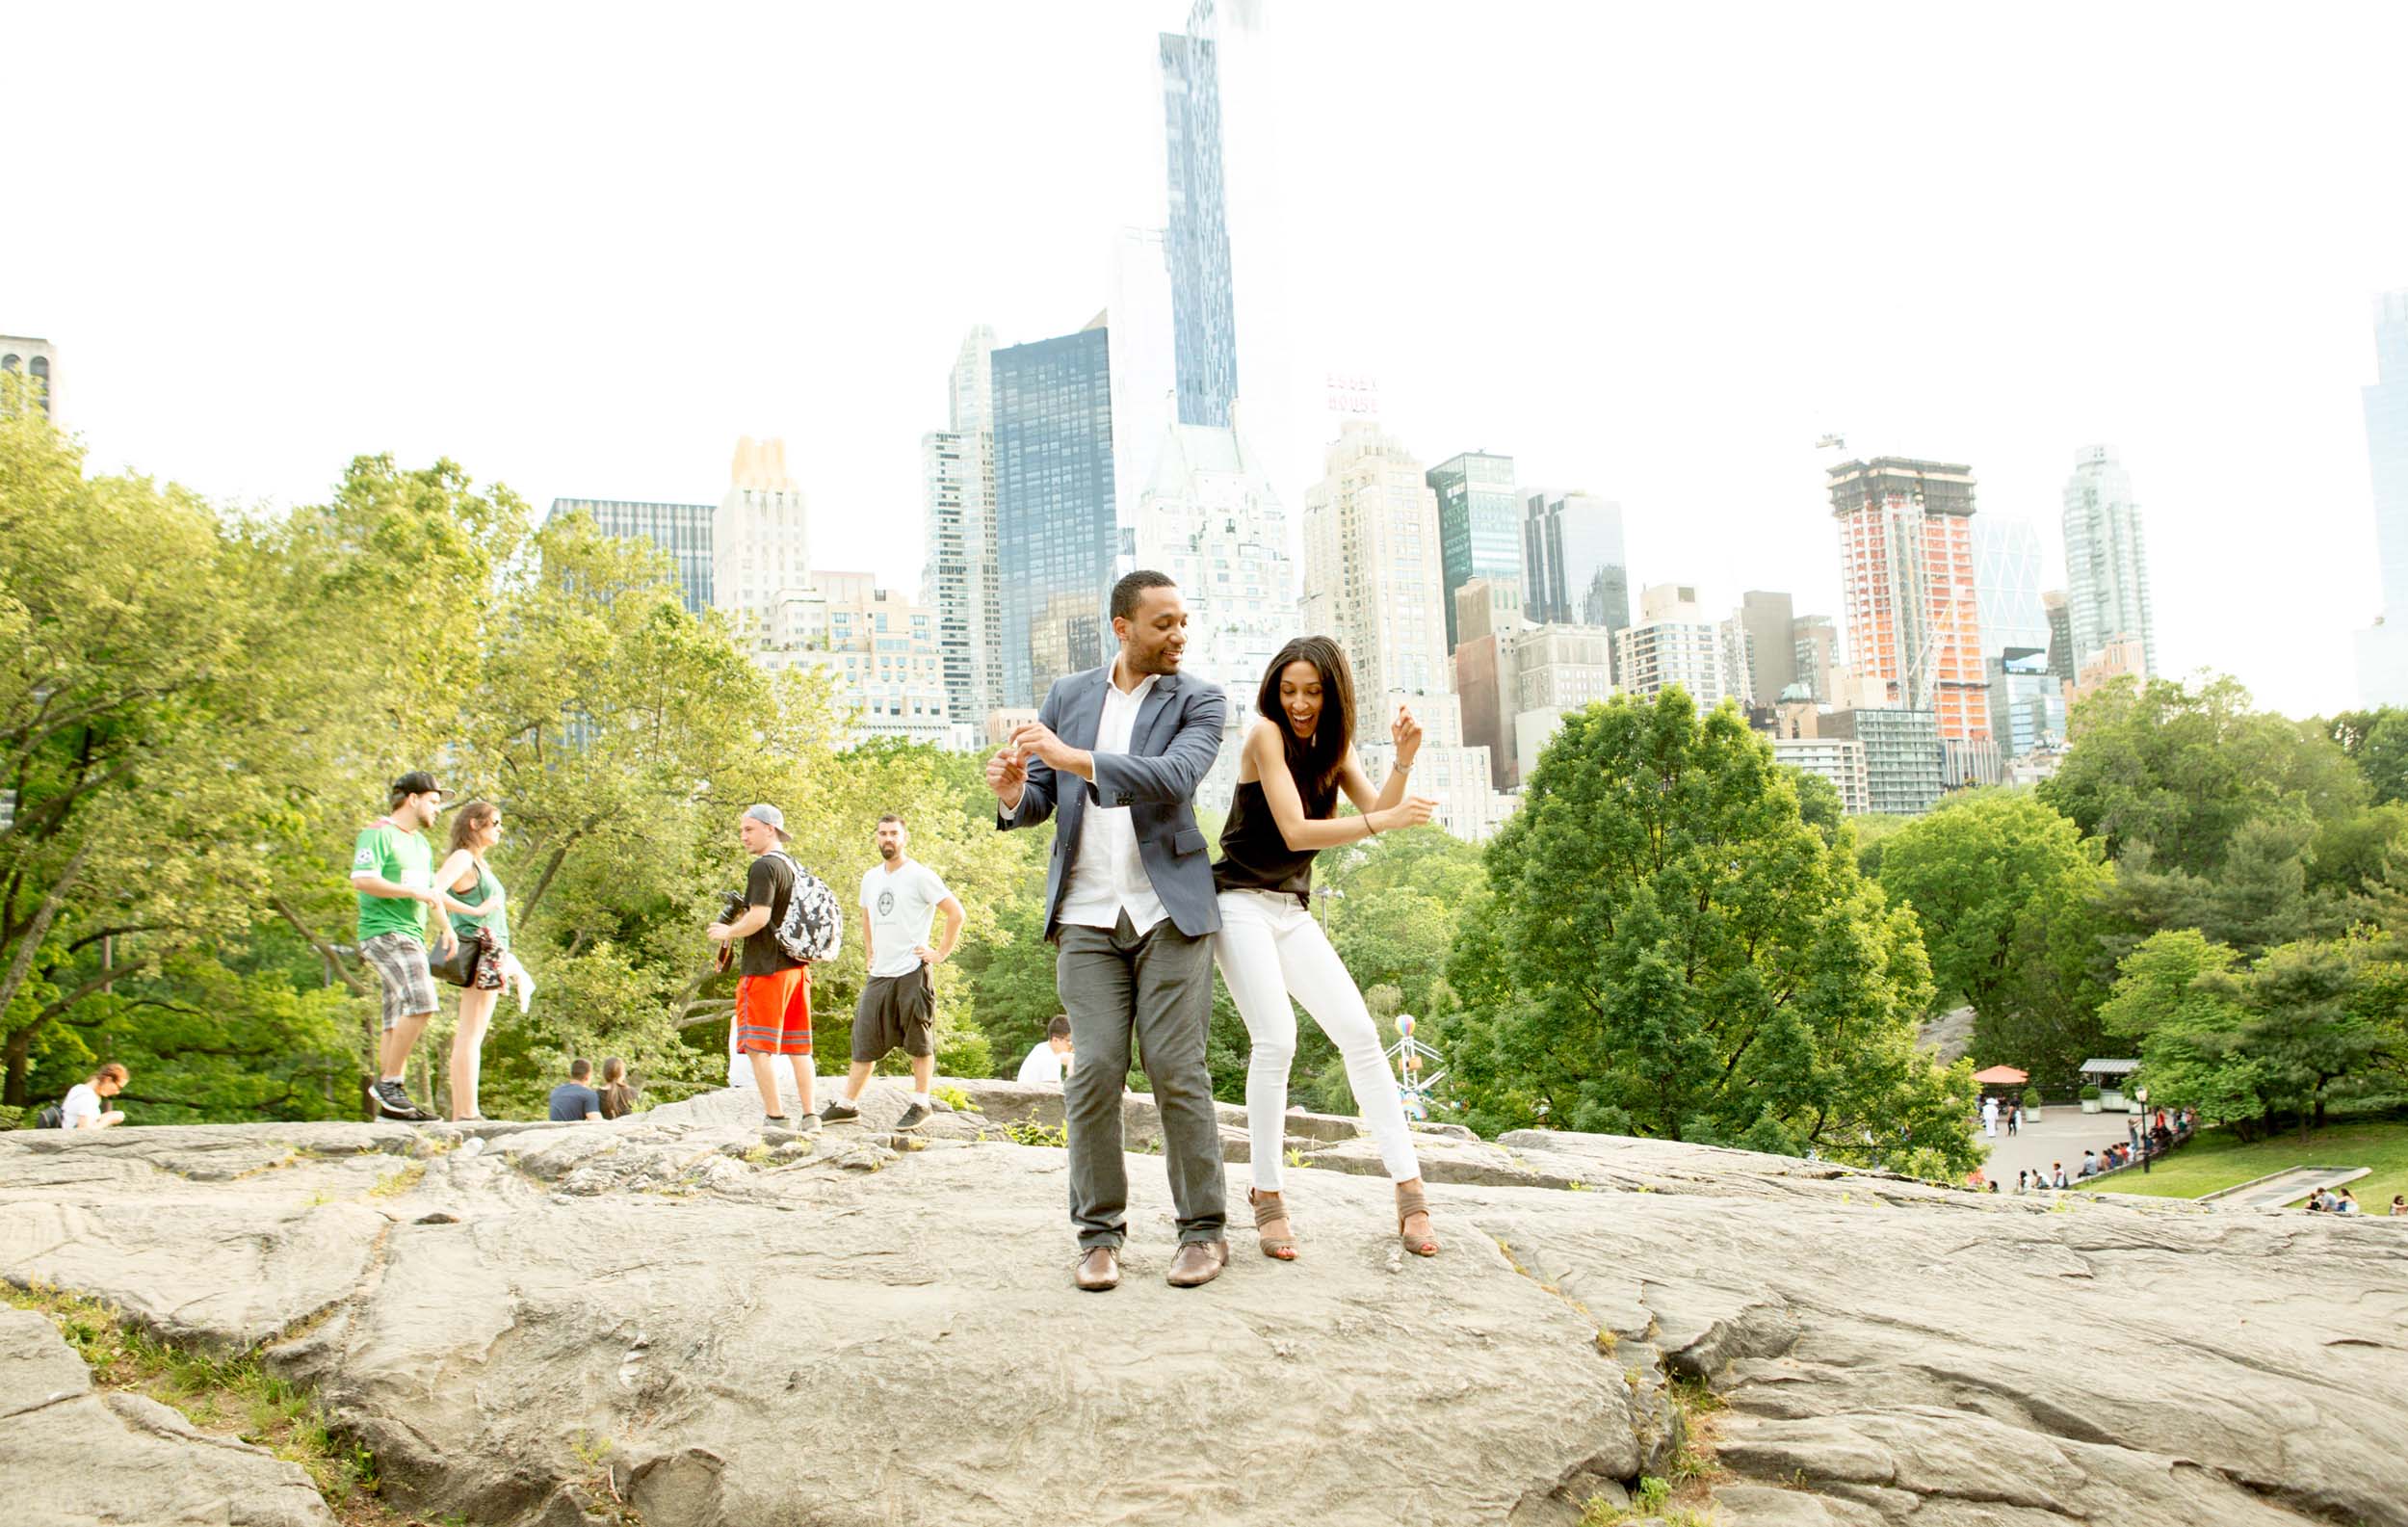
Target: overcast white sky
<point>1651,250</point>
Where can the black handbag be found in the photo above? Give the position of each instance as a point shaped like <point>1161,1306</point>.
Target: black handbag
<point>459,966</point>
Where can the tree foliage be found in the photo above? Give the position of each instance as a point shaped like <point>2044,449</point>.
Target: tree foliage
<point>2004,887</point>
<point>203,709</point>
<point>1674,951</point>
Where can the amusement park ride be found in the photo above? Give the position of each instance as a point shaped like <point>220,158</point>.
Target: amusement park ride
<point>1409,1056</point>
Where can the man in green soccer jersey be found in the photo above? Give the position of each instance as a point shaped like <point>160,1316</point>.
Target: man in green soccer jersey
<point>393,870</point>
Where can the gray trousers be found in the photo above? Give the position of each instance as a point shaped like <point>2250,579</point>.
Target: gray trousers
<point>1158,984</point>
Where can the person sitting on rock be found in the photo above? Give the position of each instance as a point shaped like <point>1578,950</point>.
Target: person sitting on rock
<point>573,1101</point>
<point>2345,1201</point>
<point>2056,1174</point>
<point>618,1097</point>
<point>1050,1060</point>
<point>82,1108</point>
<point>2090,1164</point>
<point>2400,1205</point>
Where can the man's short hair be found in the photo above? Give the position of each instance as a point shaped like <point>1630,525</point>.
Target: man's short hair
<point>890,817</point>
<point>1131,588</point>
<point>580,1069</point>
<point>1059,1027</point>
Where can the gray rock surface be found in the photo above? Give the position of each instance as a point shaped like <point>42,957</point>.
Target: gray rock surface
<point>71,1457</point>
<point>873,1328</point>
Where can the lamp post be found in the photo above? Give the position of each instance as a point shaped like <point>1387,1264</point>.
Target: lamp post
<point>1323,894</point>
<point>2148,1142</point>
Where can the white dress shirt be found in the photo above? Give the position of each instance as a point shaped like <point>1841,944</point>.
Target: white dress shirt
<point>1108,878</point>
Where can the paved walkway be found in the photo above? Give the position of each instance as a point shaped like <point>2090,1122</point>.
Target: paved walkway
<point>2059,1134</point>
<point>2287,1187</point>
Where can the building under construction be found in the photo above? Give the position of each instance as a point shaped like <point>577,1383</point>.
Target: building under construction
<point>1906,576</point>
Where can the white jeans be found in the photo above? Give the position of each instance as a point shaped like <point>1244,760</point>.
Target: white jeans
<point>1268,950</point>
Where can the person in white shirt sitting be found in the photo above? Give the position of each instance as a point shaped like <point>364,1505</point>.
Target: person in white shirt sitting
<point>1050,1060</point>
<point>82,1108</point>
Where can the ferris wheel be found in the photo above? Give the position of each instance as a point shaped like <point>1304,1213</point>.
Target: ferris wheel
<point>1412,1058</point>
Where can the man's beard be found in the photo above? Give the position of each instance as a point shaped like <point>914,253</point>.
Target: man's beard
<point>889,851</point>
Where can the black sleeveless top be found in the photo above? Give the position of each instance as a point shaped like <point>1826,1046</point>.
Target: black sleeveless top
<point>1254,855</point>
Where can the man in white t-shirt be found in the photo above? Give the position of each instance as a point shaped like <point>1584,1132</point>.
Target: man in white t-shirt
<point>84,1109</point>
<point>900,900</point>
<point>1049,1059</point>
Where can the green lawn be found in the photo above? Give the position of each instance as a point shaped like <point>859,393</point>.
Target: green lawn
<point>2216,1160</point>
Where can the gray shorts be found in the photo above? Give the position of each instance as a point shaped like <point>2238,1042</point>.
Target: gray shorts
<point>401,964</point>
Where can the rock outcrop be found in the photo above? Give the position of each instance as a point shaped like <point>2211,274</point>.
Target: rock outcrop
<point>668,1319</point>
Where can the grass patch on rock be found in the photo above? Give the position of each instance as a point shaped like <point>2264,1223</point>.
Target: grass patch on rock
<point>229,1395</point>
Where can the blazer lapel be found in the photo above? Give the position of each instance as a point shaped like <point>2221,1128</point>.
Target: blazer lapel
<point>1085,717</point>
<point>1150,715</point>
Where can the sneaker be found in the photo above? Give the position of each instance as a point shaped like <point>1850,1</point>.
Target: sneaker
<point>839,1112</point>
<point>778,1121</point>
<point>912,1118</point>
<point>809,1123</point>
<point>392,1102</point>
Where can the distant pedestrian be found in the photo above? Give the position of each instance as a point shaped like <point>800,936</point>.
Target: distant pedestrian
<point>619,1099</point>
<point>393,871</point>
<point>83,1108</point>
<point>2015,1120</point>
<point>574,1101</point>
<point>1050,1058</point>
<point>773,988</point>
<point>1990,1117</point>
<point>900,898</point>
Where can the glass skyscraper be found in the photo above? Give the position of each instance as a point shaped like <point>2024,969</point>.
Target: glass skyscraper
<point>2107,562</point>
<point>682,529</point>
<point>1056,531</point>
<point>1203,309</point>
<point>2383,650</point>
<point>1574,568</point>
<point>1478,536</point>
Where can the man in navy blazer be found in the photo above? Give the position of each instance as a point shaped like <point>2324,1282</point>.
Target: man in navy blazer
<point>1118,753</point>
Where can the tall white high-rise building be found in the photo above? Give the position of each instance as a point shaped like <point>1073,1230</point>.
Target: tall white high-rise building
<point>2383,649</point>
<point>2106,563</point>
<point>1212,520</point>
<point>760,541</point>
<point>1676,643</point>
<point>34,361</point>
<point>959,574</point>
<point>1371,566</point>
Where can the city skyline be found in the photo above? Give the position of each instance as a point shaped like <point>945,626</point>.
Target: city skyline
<point>2220,342</point>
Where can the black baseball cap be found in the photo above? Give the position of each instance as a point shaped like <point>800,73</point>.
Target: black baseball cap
<point>416,782</point>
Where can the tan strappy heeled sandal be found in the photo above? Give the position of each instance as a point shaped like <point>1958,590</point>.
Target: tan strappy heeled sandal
<point>1268,1211</point>
<point>1410,1202</point>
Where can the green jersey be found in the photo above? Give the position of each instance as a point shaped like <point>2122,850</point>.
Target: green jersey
<point>403,858</point>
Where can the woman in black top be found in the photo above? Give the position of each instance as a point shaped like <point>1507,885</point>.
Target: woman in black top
<point>1299,754</point>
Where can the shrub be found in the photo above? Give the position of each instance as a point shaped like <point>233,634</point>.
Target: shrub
<point>2089,1094</point>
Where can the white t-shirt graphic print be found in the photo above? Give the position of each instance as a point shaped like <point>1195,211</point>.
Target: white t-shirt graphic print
<point>903,909</point>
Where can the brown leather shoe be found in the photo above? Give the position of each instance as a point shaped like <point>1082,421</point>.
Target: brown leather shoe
<point>1099,1270</point>
<point>1199,1263</point>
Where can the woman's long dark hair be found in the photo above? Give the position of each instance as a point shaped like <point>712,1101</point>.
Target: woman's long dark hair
<point>1315,762</point>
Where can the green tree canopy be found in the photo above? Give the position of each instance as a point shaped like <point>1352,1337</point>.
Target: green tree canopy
<point>2004,887</point>
<point>2182,770</point>
<point>1673,951</point>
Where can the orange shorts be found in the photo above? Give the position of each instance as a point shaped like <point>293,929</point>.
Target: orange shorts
<point>773,1012</point>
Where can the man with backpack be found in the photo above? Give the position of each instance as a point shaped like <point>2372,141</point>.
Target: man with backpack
<point>790,920</point>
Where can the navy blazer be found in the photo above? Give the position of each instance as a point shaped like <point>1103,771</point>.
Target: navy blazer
<point>1171,748</point>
